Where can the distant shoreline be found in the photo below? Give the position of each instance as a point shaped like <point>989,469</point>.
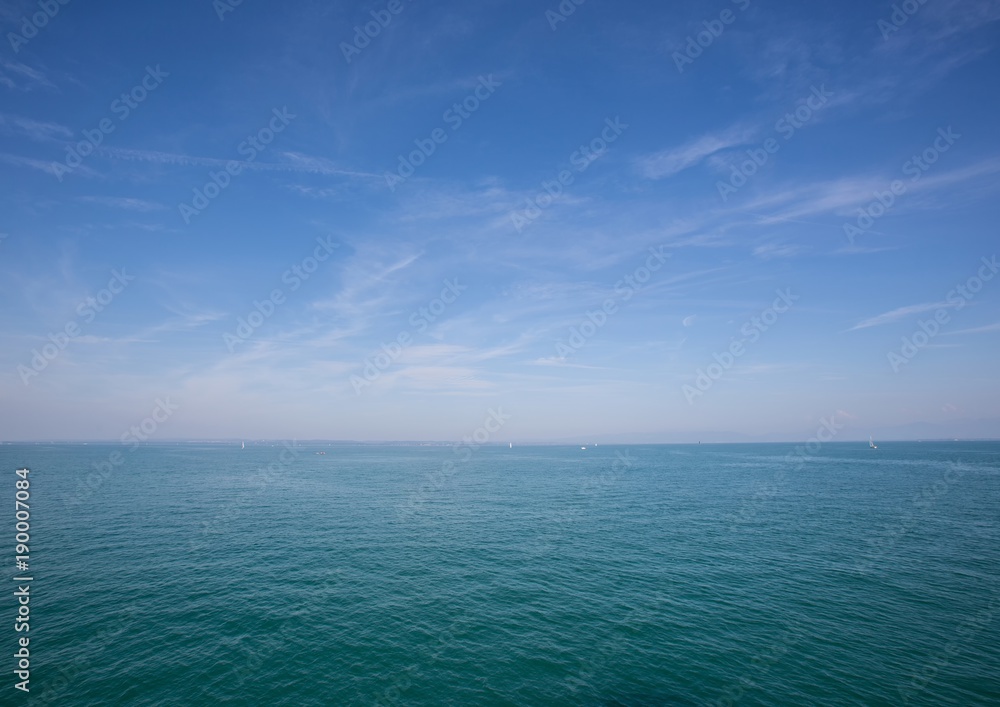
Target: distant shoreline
<point>445,443</point>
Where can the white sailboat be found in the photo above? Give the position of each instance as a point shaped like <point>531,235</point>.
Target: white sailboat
<point>243,445</point>
<point>511,445</point>
<point>871,444</point>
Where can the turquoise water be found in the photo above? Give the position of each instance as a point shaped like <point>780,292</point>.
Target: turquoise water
<point>646,575</point>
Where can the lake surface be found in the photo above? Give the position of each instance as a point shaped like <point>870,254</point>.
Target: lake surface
<point>643,575</point>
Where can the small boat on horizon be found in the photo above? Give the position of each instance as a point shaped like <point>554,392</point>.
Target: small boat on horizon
<point>871,444</point>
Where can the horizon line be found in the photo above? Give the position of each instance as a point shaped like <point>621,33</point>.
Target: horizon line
<point>403,442</point>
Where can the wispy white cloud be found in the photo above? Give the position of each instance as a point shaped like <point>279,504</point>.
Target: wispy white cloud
<point>676,159</point>
<point>53,168</point>
<point>562,362</point>
<point>294,162</point>
<point>988,329</point>
<point>126,203</point>
<point>954,17</point>
<point>32,129</point>
<point>186,320</point>
<point>365,293</point>
<point>411,91</point>
<point>816,198</point>
<point>862,250</point>
<point>839,196</point>
<point>316,192</point>
<point>900,313</point>
<point>298,162</point>
<point>443,201</point>
<point>14,74</point>
<point>769,251</point>
<point>436,379</point>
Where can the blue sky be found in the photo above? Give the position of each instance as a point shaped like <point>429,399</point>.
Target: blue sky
<point>391,194</point>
